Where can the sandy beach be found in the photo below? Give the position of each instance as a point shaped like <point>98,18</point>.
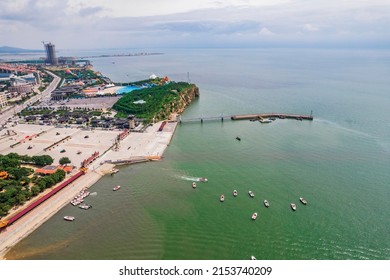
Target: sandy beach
<point>148,145</point>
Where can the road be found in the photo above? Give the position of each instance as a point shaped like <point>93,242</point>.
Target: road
<point>45,95</point>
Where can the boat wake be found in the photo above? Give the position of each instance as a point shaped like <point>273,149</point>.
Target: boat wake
<point>190,178</point>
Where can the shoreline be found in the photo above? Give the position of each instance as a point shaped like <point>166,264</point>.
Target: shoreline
<point>150,144</point>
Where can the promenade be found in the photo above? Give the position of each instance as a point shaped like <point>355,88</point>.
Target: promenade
<point>148,145</point>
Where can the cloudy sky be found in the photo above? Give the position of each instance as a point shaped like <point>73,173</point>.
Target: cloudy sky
<point>76,24</point>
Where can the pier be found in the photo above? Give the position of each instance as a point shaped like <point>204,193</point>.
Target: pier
<point>259,117</point>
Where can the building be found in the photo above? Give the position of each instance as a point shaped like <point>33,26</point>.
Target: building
<point>51,57</point>
<point>20,88</point>
<point>65,92</point>
<point>3,100</point>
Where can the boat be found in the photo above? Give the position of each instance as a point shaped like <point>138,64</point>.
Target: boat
<point>238,138</point>
<point>69,218</point>
<point>293,206</point>
<point>254,216</point>
<point>266,203</point>
<point>116,188</point>
<point>85,206</point>
<point>253,258</point>
<point>265,121</point>
<point>114,171</point>
<point>304,202</point>
<point>235,193</point>
<point>194,185</point>
<point>222,198</point>
<point>202,179</point>
<point>251,194</point>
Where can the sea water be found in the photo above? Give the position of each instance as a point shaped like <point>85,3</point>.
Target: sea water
<point>339,163</point>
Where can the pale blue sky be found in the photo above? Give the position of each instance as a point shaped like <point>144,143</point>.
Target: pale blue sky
<point>73,24</point>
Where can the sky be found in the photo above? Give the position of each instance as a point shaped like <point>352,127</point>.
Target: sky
<point>154,24</point>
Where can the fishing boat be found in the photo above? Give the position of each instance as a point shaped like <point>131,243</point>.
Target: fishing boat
<point>251,194</point>
<point>235,193</point>
<point>202,179</point>
<point>85,206</point>
<point>114,171</point>
<point>254,216</point>
<point>265,121</point>
<point>222,198</point>
<point>302,200</point>
<point>293,206</point>
<point>116,188</point>
<point>69,218</point>
<point>194,185</point>
<point>266,203</point>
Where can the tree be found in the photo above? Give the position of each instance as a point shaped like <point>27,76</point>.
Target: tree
<point>64,160</point>
<point>42,160</point>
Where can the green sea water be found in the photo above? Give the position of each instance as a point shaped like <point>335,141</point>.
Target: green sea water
<point>339,163</point>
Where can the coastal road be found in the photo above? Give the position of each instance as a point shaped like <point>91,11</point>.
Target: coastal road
<point>45,95</point>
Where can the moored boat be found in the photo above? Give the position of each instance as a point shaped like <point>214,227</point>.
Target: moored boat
<point>254,216</point>
<point>235,193</point>
<point>251,194</point>
<point>266,203</point>
<point>85,206</point>
<point>114,171</point>
<point>253,258</point>
<point>116,188</point>
<point>293,206</point>
<point>194,185</point>
<point>69,218</point>
<point>302,200</point>
<point>222,198</point>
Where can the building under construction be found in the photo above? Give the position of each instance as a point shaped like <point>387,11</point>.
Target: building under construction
<point>51,57</point>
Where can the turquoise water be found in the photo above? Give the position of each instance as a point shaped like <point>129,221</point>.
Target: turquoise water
<point>339,163</point>
<point>126,89</point>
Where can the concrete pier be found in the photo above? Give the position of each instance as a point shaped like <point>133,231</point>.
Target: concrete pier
<point>272,115</point>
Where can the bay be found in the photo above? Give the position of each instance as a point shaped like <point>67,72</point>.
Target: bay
<point>339,163</point>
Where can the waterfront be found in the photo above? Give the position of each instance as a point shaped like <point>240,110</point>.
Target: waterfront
<point>339,163</point>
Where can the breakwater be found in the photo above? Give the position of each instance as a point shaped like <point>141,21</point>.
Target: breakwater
<point>259,117</point>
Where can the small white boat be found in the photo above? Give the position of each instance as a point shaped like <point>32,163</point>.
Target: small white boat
<point>222,198</point>
<point>194,185</point>
<point>253,258</point>
<point>265,121</point>
<point>254,216</point>
<point>85,206</point>
<point>202,179</point>
<point>302,200</point>
<point>293,206</point>
<point>235,193</point>
<point>114,171</point>
<point>69,218</point>
<point>116,188</point>
<point>266,203</point>
<point>251,194</point>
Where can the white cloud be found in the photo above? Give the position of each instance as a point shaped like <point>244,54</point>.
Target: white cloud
<point>266,32</point>
<point>310,27</point>
<point>159,23</point>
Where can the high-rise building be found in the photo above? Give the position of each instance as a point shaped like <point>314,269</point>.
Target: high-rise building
<point>51,57</point>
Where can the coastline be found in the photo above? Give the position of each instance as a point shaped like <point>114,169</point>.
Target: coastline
<point>150,145</point>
